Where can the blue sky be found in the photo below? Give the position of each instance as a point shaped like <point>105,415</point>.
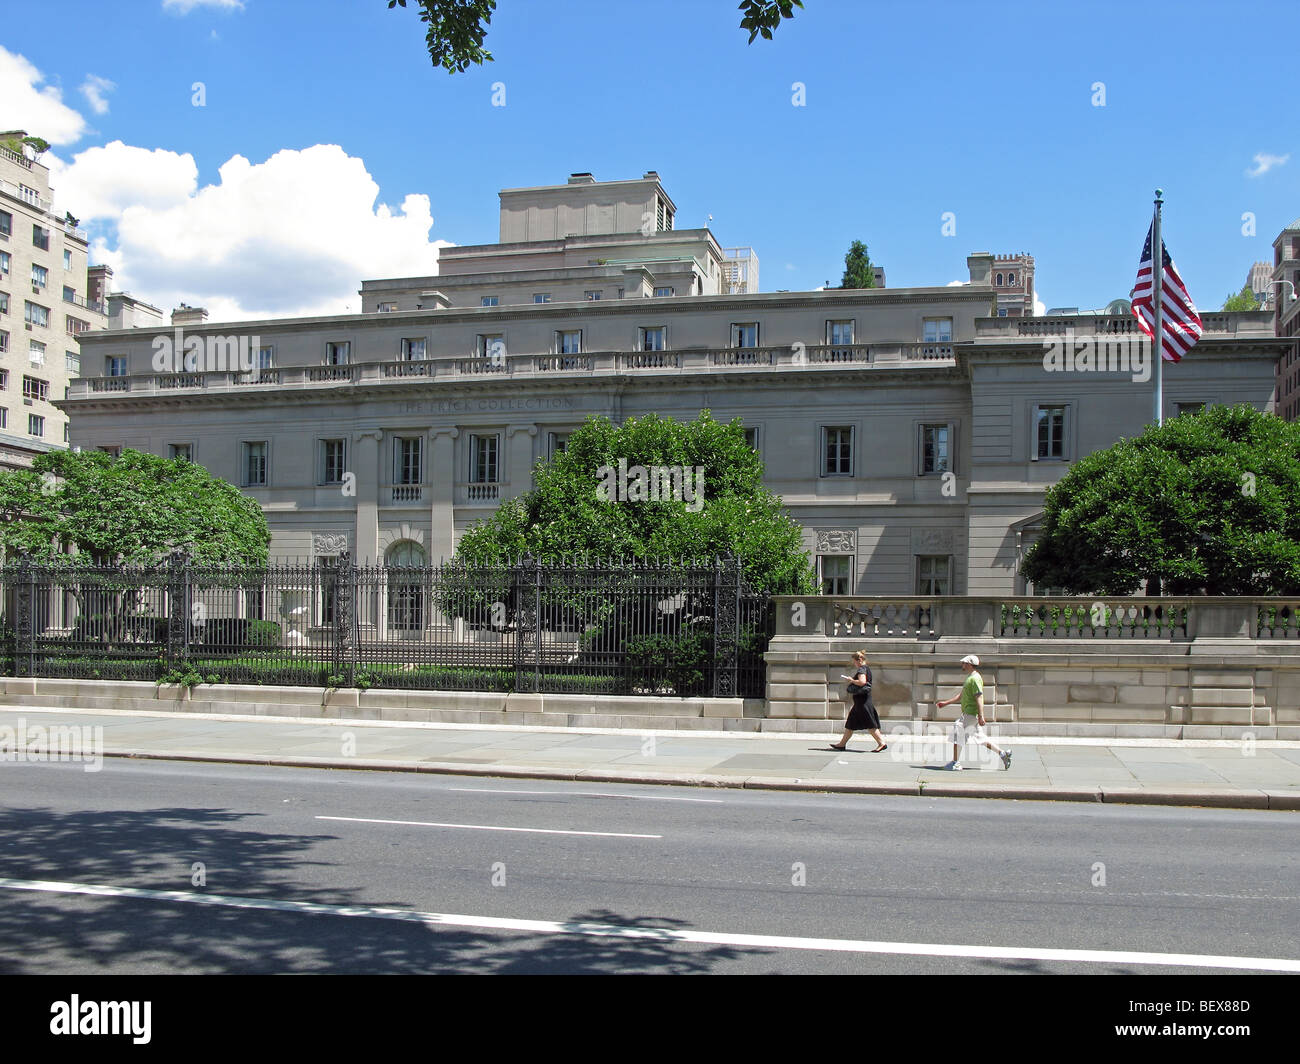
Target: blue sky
<point>911,110</point>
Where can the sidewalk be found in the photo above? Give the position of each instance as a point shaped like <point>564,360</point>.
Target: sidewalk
<point>1224,773</point>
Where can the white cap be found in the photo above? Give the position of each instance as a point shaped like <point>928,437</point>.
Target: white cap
<point>970,659</point>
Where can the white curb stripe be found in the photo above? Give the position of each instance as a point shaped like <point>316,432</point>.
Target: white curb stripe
<point>489,827</point>
<point>551,927</point>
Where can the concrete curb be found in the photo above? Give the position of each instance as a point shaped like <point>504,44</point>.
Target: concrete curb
<point>1221,799</point>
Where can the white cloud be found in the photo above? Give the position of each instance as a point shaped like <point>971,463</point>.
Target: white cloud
<point>1265,162</point>
<point>1040,308</point>
<point>102,183</point>
<point>954,284</point>
<point>40,111</point>
<point>93,89</point>
<point>293,235</point>
<point>184,7</point>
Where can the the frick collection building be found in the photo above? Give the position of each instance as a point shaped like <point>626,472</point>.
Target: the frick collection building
<point>912,432</point>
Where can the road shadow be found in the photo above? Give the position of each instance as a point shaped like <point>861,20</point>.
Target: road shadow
<point>157,849</point>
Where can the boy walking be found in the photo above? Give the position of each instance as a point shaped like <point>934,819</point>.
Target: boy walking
<point>971,723</point>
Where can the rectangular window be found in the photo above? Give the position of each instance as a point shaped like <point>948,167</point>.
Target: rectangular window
<point>337,354</point>
<point>4,341</point>
<point>40,276</point>
<point>837,451</point>
<point>1189,408</point>
<point>333,461</point>
<point>483,459</point>
<point>69,294</point>
<point>938,330</point>
<point>255,464</point>
<point>265,357</point>
<point>592,296</point>
<point>67,259</point>
<point>932,574</point>
<point>412,349</point>
<point>383,308</point>
<point>35,352</point>
<point>4,418</point>
<point>568,342</point>
<point>834,572</point>
<point>35,425</point>
<point>75,326</point>
<point>329,589</point>
<point>744,334</point>
<point>935,454</point>
<point>180,450</point>
<point>35,314</point>
<point>6,223</point>
<point>493,346</point>
<point>5,262</point>
<point>664,290</point>
<point>407,465</point>
<point>559,443</point>
<point>839,336</point>
<point>4,302</point>
<point>541,297</point>
<point>40,238</point>
<point>489,301</point>
<point>115,366</point>
<point>35,388</point>
<point>654,338</point>
<point>4,380</point>
<point>1049,427</point>
<point>751,439</point>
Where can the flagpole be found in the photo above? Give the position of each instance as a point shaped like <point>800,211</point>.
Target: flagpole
<point>1157,299</point>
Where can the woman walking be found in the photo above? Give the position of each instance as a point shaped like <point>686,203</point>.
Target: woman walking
<point>863,716</point>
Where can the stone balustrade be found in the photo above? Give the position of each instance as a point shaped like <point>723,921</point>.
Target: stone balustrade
<point>1181,667</point>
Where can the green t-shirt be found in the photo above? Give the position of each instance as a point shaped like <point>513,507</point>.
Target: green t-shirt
<point>970,692</point>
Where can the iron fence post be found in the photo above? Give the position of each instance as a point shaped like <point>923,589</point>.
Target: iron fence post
<point>345,647</point>
<point>25,592</point>
<point>178,617</point>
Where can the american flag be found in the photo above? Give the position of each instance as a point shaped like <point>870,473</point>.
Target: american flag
<point>1180,323</point>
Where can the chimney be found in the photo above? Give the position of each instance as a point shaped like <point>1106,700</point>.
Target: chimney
<point>187,315</point>
<point>581,179</point>
<point>980,264</point>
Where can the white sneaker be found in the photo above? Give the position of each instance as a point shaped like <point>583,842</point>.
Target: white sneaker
<point>1006,759</point>
<point>954,766</point>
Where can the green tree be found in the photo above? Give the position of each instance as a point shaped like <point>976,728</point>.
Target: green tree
<point>131,510</point>
<point>1204,504</point>
<point>566,514</point>
<point>456,28</point>
<point>858,272</point>
<point>1243,300</point>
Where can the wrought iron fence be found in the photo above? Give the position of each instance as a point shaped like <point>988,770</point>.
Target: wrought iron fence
<point>549,625</point>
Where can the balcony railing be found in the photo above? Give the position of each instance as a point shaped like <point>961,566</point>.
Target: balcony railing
<point>406,492</point>
<point>797,357</point>
<point>15,157</point>
<point>488,494</point>
<point>82,301</point>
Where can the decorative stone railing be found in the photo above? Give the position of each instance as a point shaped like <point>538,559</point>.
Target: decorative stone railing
<point>815,358</point>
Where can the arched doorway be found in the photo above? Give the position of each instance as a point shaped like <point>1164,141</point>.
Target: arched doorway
<point>405,562</point>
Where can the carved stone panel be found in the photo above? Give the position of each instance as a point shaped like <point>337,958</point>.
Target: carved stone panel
<point>836,541</point>
<point>933,540</point>
<point>326,543</point>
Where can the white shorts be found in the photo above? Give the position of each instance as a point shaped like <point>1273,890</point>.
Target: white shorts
<point>966,729</point>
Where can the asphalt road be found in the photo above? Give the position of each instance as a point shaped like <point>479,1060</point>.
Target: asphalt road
<point>301,870</point>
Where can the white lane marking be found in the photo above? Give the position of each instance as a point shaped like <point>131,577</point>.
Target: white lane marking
<point>489,827</point>
<point>585,794</point>
<point>595,930</point>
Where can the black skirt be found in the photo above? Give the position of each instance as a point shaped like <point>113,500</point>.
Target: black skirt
<point>863,716</point>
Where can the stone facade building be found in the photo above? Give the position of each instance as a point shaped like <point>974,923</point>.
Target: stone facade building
<point>911,431</point>
<point>44,309</point>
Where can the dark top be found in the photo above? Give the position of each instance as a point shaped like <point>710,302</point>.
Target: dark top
<point>863,716</point>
